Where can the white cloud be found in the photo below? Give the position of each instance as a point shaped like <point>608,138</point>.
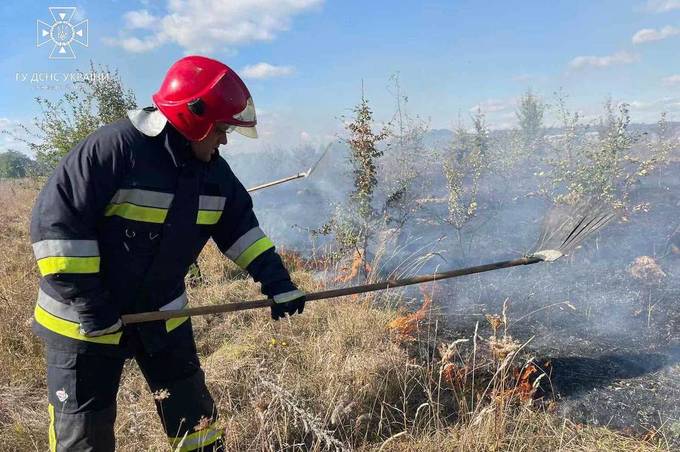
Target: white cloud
<point>139,19</point>
<point>672,80</point>
<point>581,62</point>
<point>647,111</point>
<point>651,34</point>
<point>207,25</point>
<point>640,105</point>
<point>662,6</point>
<point>135,45</point>
<point>265,70</point>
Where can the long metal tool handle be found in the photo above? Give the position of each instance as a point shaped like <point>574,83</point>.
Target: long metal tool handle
<point>333,293</point>
<point>277,182</point>
<point>296,176</point>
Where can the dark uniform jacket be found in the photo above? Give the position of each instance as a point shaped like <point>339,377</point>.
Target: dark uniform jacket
<point>119,223</point>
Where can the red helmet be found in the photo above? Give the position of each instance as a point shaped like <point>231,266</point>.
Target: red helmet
<point>199,91</point>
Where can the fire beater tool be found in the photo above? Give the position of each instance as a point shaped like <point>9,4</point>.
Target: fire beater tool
<point>562,231</point>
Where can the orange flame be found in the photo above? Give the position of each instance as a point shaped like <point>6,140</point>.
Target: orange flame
<point>294,260</point>
<point>525,385</point>
<point>291,258</point>
<point>349,273</point>
<point>454,375</point>
<point>407,325</point>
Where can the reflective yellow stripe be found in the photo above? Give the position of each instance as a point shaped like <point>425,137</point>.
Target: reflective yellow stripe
<point>62,264</point>
<point>253,251</point>
<point>171,324</point>
<point>137,213</point>
<point>196,440</point>
<point>71,329</point>
<point>51,433</point>
<point>208,216</point>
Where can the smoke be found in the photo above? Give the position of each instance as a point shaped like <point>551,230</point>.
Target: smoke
<point>288,212</point>
<point>587,308</point>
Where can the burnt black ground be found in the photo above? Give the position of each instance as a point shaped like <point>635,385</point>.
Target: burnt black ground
<point>614,362</point>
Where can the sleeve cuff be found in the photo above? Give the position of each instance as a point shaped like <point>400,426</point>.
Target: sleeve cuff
<point>276,288</point>
<point>288,296</point>
<point>94,317</point>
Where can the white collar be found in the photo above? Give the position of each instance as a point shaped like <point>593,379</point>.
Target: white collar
<point>150,122</point>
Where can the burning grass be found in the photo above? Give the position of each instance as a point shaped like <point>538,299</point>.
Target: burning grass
<point>406,326</point>
<point>332,379</point>
<point>357,266</point>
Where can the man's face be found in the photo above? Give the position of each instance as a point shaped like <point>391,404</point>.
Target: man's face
<point>203,150</point>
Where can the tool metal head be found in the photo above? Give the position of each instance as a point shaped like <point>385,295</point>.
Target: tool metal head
<point>547,255</point>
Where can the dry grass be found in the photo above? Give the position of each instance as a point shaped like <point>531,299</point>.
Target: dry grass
<point>337,377</point>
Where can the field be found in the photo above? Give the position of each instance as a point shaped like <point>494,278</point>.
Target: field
<point>364,373</point>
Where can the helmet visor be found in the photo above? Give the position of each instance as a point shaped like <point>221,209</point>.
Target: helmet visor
<point>248,115</point>
<point>250,132</point>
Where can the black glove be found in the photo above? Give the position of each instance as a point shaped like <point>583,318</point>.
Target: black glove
<point>288,303</point>
<point>109,330</point>
<point>97,319</point>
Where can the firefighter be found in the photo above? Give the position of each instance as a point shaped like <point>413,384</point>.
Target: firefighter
<point>114,231</point>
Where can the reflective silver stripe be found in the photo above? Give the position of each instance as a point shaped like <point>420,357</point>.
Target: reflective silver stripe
<point>70,248</point>
<point>177,303</point>
<point>140,197</point>
<point>288,296</point>
<point>54,307</point>
<point>244,242</point>
<point>211,202</point>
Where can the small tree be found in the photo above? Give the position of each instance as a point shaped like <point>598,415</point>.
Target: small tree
<point>563,151</point>
<point>529,114</point>
<point>98,98</point>
<point>659,148</point>
<point>605,173</point>
<point>463,166</point>
<point>363,143</point>
<point>355,222</point>
<point>403,167</point>
<point>403,173</point>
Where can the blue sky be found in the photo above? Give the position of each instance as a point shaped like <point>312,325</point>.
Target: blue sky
<point>452,56</point>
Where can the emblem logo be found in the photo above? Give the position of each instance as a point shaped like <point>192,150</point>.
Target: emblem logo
<point>62,395</point>
<point>61,33</point>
